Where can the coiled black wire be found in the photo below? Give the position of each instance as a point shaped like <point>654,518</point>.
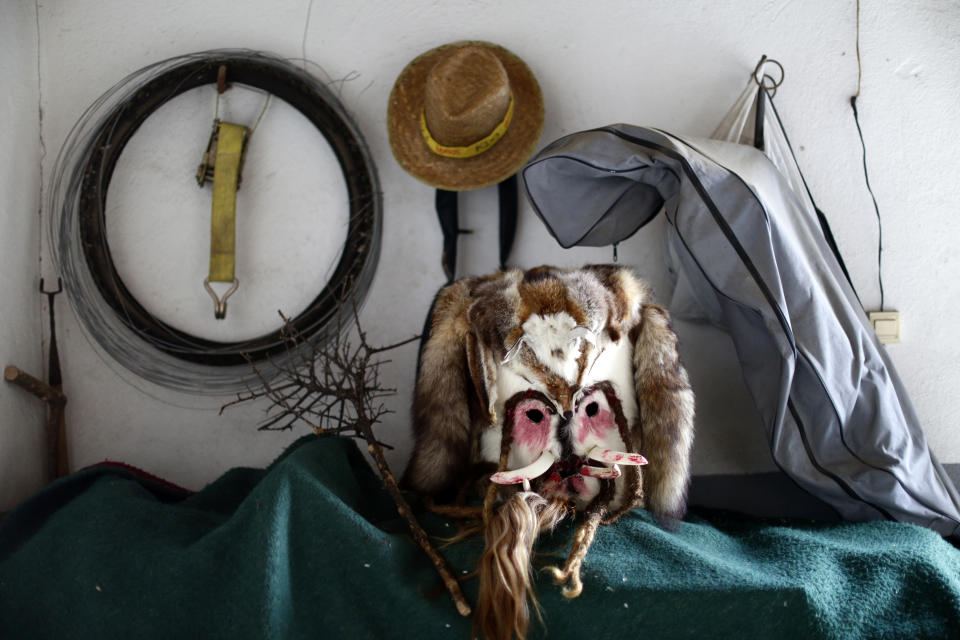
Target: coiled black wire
<point>132,336</point>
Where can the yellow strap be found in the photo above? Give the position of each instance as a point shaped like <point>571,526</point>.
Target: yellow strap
<point>226,177</point>
<point>470,150</point>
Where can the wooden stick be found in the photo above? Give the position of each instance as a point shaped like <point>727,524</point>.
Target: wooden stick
<point>403,508</point>
<point>34,386</point>
<point>454,510</point>
<point>55,429</point>
<point>343,378</point>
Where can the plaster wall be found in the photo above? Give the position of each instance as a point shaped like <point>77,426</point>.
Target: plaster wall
<point>21,415</point>
<point>678,66</point>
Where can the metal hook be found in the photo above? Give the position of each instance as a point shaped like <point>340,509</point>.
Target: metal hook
<point>53,323</point>
<point>220,304</point>
<point>52,293</point>
<point>762,81</point>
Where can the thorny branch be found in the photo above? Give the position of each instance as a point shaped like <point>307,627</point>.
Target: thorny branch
<point>334,387</point>
<point>331,387</point>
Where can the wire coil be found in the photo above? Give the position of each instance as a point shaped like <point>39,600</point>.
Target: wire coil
<point>143,344</point>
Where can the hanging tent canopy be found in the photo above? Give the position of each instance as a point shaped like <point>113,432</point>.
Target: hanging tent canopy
<point>750,253</point>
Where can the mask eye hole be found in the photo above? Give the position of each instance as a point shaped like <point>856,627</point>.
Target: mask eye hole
<point>592,409</point>
<point>535,415</point>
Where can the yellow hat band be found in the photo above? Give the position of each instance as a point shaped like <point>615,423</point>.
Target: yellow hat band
<point>472,149</point>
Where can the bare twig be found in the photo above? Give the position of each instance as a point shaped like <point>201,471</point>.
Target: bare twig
<point>334,387</point>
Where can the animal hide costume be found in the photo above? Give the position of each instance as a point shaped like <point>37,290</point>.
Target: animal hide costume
<point>535,388</point>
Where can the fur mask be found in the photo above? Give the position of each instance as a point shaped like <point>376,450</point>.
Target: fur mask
<point>551,378</point>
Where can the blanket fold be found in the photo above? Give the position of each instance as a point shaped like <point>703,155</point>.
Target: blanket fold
<point>312,547</point>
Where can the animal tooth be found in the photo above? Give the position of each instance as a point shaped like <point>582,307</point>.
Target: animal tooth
<point>604,473</point>
<point>615,457</point>
<point>536,468</point>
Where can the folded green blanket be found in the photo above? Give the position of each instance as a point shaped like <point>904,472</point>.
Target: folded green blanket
<point>311,547</point>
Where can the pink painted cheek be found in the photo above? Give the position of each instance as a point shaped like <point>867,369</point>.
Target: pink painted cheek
<point>597,426</point>
<point>527,433</point>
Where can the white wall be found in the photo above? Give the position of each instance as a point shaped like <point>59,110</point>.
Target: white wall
<point>21,415</point>
<point>673,65</point>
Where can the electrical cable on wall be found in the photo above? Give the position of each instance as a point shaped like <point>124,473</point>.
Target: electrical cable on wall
<point>876,208</point>
<point>866,175</point>
<point>143,344</point>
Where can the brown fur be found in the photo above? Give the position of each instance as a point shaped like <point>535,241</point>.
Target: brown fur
<point>666,413</point>
<point>545,296</point>
<point>441,398</point>
<point>476,369</point>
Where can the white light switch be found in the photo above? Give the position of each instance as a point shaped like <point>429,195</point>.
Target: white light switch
<point>887,325</point>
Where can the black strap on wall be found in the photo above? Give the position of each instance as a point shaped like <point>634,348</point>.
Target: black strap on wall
<point>449,217</point>
<point>507,192</point>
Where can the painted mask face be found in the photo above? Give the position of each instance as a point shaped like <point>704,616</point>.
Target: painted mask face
<point>566,457</point>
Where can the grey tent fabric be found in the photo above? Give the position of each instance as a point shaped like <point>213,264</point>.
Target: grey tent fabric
<point>748,255</point>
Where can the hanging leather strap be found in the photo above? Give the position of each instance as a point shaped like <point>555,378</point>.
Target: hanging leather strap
<point>509,206</point>
<point>449,217</point>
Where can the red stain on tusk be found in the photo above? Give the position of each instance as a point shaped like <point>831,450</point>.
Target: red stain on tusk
<point>535,469</point>
<point>603,473</point>
<point>617,457</point>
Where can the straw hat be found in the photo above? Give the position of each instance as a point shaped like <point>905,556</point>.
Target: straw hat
<point>464,116</point>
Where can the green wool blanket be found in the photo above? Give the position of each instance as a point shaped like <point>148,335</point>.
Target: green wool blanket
<point>311,547</point>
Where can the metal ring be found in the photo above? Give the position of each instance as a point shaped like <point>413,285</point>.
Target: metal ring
<point>766,81</point>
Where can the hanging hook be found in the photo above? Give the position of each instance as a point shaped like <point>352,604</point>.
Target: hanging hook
<point>220,304</point>
<point>52,293</point>
<point>766,81</point>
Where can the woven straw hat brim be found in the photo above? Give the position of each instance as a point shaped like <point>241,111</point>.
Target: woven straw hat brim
<point>501,161</point>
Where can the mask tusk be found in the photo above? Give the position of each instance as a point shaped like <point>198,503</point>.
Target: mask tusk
<point>603,473</point>
<point>615,457</point>
<point>535,469</point>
